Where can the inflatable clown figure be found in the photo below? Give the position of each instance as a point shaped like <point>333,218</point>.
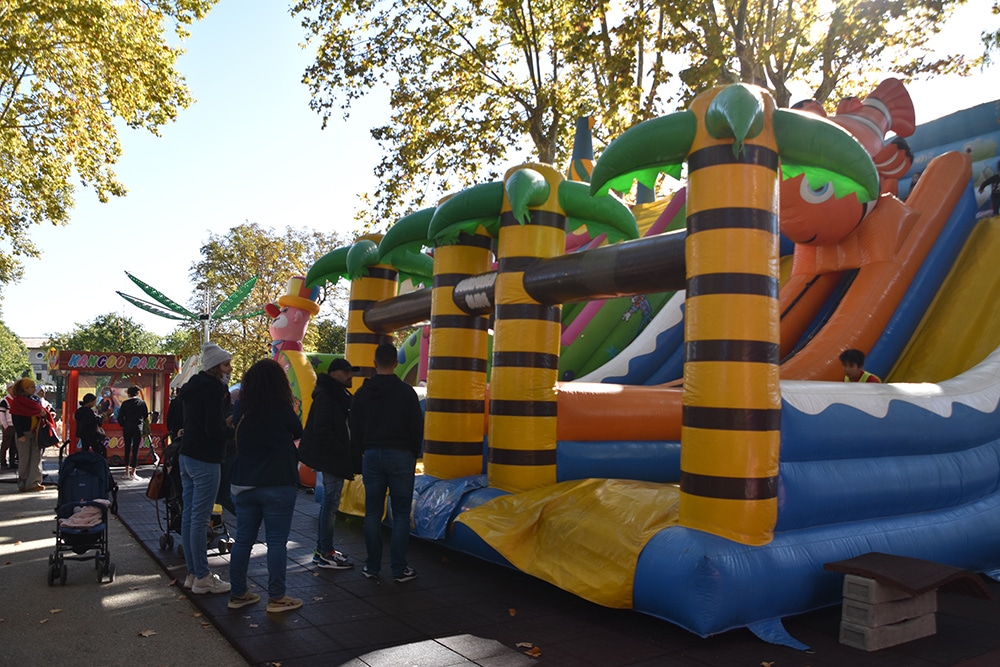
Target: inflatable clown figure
<point>291,316</point>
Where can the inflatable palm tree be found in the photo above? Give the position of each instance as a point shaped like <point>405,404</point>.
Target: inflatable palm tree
<point>170,309</point>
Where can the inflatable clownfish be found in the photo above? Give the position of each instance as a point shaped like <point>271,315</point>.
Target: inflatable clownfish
<point>812,213</point>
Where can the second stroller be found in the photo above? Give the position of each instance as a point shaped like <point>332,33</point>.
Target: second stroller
<point>217,534</point>
<point>87,494</point>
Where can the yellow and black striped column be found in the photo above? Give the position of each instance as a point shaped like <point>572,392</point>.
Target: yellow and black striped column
<point>380,283</point>
<point>456,368</point>
<point>522,425</point>
<point>732,397</point>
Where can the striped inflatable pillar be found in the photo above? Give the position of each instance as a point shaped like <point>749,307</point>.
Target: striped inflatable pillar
<point>732,398</point>
<point>456,366</point>
<point>380,283</point>
<point>522,424</point>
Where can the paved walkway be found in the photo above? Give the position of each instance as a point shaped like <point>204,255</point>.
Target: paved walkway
<point>86,623</point>
<point>459,611</point>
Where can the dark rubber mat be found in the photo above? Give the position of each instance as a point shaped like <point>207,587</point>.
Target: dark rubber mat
<point>464,611</point>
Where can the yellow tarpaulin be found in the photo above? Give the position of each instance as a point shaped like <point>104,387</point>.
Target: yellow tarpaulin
<point>584,536</point>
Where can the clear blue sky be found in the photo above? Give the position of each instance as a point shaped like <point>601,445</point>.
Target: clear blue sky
<point>250,149</point>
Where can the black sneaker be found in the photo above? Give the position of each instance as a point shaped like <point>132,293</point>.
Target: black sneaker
<point>369,574</point>
<point>333,560</point>
<point>408,574</point>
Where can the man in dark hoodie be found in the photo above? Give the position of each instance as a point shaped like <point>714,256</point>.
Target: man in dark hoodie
<point>326,448</point>
<point>388,425</point>
<point>206,429</point>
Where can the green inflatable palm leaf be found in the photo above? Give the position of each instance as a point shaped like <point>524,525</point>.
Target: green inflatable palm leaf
<point>160,297</point>
<point>235,299</point>
<point>149,308</point>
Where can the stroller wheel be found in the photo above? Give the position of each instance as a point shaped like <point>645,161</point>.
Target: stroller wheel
<point>170,541</point>
<point>224,547</point>
<point>163,542</point>
<point>180,550</point>
<point>62,575</point>
<point>52,574</point>
<point>110,571</point>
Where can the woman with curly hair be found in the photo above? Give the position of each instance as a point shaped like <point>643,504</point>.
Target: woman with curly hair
<point>264,482</point>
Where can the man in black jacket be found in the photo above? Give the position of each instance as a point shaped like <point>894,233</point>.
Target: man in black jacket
<point>326,448</point>
<point>388,425</point>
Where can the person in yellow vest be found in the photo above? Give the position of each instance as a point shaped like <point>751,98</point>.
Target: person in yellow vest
<point>854,367</point>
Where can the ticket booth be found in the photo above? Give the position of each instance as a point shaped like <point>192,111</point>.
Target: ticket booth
<point>108,375</point>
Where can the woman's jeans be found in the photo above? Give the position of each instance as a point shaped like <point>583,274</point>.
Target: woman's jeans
<point>387,469</point>
<point>199,484</point>
<point>333,486</point>
<point>274,506</point>
<point>132,438</point>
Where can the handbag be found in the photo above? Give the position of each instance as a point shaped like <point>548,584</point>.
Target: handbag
<point>46,436</point>
<point>155,490</point>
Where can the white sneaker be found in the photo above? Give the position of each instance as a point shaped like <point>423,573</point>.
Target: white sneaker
<point>189,581</point>
<point>210,584</point>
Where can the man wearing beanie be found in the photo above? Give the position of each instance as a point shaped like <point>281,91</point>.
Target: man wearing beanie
<point>206,429</point>
<point>326,448</point>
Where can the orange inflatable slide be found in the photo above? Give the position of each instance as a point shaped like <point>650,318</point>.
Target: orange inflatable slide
<point>907,231</point>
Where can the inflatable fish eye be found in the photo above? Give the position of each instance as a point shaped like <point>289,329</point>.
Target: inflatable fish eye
<point>815,195</point>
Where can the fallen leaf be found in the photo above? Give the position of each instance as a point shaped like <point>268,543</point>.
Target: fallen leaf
<point>512,611</point>
<point>767,663</point>
<point>54,611</point>
<point>206,625</point>
<point>253,625</point>
<point>524,644</point>
<point>197,614</point>
<point>147,633</point>
<point>16,543</point>
<point>44,620</point>
<point>534,653</point>
<point>173,582</point>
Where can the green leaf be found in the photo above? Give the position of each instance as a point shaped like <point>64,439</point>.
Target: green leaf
<point>329,268</point>
<point>526,188</point>
<point>149,308</point>
<point>826,153</point>
<point>159,296</point>
<point>466,211</point>
<point>604,215</point>
<point>643,152</point>
<point>361,255</point>
<point>235,299</point>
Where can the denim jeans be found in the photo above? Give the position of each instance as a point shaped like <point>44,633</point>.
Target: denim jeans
<point>199,484</point>
<point>387,469</point>
<point>333,486</point>
<point>272,505</point>
<point>132,438</point>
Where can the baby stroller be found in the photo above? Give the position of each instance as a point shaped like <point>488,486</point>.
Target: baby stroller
<point>217,534</point>
<point>87,494</point>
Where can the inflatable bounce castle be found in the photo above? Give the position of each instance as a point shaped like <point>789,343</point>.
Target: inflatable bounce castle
<point>645,407</point>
